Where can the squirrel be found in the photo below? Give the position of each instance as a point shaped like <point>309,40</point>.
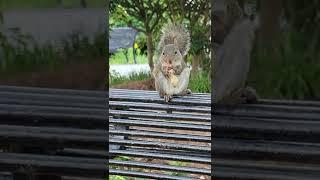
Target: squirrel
<point>171,73</point>
<point>232,62</point>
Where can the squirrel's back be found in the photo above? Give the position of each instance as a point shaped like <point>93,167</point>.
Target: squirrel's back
<point>175,34</point>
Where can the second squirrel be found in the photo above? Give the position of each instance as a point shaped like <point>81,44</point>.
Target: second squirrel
<point>171,73</point>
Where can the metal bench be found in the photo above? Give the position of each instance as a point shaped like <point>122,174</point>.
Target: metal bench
<point>123,37</point>
<point>61,134</point>
<point>52,133</point>
<point>272,139</point>
<point>151,139</point>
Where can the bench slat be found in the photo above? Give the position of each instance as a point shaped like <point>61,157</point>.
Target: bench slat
<point>268,114</point>
<point>37,90</point>
<point>52,103</point>
<point>160,145</point>
<point>276,150</point>
<point>132,91</point>
<point>164,107</point>
<point>53,137</point>
<point>161,124</point>
<point>258,169</point>
<point>266,128</point>
<point>166,116</point>
<point>152,99</point>
<point>147,175</point>
<point>163,155</point>
<point>61,165</point>
<point>161,135</point>
<point>160,167</point>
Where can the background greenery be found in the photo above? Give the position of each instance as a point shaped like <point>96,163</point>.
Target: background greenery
<point>285,62</point>
<point>21,58</point>
<point>194,15</point>
<point>22,4</point>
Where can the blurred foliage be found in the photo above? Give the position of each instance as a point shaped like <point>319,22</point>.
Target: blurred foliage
<point>304,17</point>
<point>21,4</point>
<point>291,75</point>
<point>293,71</point>
<point>21,54</point>
<point>119,17</point>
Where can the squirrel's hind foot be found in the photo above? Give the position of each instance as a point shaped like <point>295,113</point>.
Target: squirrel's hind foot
<point>186,92</point>
<point>189,92</point>
<point>241,96</point>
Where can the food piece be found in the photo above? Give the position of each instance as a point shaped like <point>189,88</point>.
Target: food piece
<point>174,80</point>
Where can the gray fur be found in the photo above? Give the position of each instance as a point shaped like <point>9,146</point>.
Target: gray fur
<point>175,34</point>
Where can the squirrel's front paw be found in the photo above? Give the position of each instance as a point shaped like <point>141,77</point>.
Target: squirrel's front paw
<point>167,98</point>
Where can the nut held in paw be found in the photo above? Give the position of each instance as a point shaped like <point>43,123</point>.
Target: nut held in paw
<point>174,80</point>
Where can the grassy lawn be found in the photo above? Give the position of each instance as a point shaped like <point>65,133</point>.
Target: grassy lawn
<point>199,83</point>
<point>135,76</point>
<point>120,58</point>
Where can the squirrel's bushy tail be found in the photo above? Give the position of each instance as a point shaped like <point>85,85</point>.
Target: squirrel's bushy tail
<point>175,34</point>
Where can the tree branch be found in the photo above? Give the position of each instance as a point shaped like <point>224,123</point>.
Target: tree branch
<point>138,29</point>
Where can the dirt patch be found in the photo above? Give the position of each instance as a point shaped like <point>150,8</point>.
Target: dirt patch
<point>147,84</point>
<point>77,75</point>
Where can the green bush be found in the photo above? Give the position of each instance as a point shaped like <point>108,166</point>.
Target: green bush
<point>200,82</point>
<point>290,74</point>
<point>19,57</point>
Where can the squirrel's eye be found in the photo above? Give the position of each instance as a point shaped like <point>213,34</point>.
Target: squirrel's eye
<point>176,52</point>
<point>162,53</point>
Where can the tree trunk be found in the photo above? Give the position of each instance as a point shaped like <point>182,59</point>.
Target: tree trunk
<point>149,50</point>
<point>270,25</point>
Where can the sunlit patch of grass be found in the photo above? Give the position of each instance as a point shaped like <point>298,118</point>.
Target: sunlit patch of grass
<point>120,58</point>
<point>117,177</point>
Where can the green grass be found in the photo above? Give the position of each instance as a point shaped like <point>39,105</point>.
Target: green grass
<point>178,164</point>
<point>115,78</point>
<point>120,58</point>
<point>290,74</point>
<point>117,177</point>
<point>172,163</point>
<point>21,59</point>
<point>200,83</point>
